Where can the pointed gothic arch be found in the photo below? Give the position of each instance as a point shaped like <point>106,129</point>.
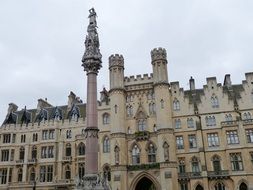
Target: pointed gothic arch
<point>142,178</point>
<point>199,187</point>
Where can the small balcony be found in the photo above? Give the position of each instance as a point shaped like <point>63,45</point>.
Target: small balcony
<point>229,123</point>
<point>194,175</point>
<point>19,162</point>
<point>142,135</point>
<point>32,161</point>
<point>143,167</point>
<point>67,159</point>
<point>221,174</point>
<point>247,122</point>
<point>183,176</point>
<point>64,181</point>
<point>189,175</point>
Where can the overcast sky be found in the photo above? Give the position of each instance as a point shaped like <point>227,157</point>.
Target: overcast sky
<point>41,43</point>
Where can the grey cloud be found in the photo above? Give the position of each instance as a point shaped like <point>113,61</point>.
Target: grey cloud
<point>41,43</point>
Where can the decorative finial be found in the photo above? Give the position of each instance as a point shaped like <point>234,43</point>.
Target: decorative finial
<point>92,57</point>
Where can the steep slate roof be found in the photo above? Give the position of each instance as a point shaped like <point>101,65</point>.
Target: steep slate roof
<point>32,115</point>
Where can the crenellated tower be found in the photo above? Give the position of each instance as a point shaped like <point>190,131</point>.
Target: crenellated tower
<point>118,128</point>
<point>159,63</point>
<point>163,111</point>
<point>116,67</point>
<point>161,88</point>
<point>117,93</point>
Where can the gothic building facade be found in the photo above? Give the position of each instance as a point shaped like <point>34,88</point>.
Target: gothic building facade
<point>153,135</point>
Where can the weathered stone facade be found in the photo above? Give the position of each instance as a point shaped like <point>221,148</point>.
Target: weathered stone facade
<point>150,131</point>
<point>153,135</point>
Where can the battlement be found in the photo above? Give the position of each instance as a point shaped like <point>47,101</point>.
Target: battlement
<point>145,78</point>
<point>116,60</point>
<point>158,54</point>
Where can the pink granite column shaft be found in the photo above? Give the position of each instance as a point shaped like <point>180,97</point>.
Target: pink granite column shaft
<point>91,163</point>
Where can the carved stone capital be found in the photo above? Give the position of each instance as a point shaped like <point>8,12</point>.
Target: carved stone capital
<point>91,132</point>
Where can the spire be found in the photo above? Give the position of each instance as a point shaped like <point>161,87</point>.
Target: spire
<point>92,57</point>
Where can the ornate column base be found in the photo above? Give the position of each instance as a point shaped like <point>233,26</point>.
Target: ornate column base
<point>92,182</point>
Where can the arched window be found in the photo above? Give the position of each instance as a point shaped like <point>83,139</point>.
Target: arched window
<point>220,186</point>
<point>106,118</point>
<point>115,109</point>
<point>116,150</point>
<point>190,123</point>
<point>81,149</point>
<point>176,105</point>
<point>32,174</point>
<point>107,173</point>
<point>210,121</point>
<point>216,163</point>
<point>177,123</point>
<point>214,101</point>
<point>135,155</point>
<point>246,115</point>
<point>129,111</point>
<point>22,153</point>
<point>68,149</point>
<point>34,152</point>
<point>243,186</point>
<point>81,171</point>
<point>68,134</point>
<point>199,187</point>
<point>142,124</point>
<point>228,117</point>
<point>67,172</point>
<point>106,144</point>
<point>181,165</point>
<point>162,103</point>
<point>236,161</point>
<point>195,165</point>
<point>151,153</point>
<point>20,174</point>
<point>152,109</point>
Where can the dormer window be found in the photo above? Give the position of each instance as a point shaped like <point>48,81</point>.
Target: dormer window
<point>74,114</point>
<point>214,102</point>
<point>57,114</point>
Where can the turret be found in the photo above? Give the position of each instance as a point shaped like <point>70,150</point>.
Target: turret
<point>192,84</point>
<point>12,108</point>
<point>159,62</point>
<point>116,67</point>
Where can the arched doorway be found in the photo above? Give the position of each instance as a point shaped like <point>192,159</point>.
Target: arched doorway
<point>243,186</point>
<point>145,184</point>
<point>199,187</point>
